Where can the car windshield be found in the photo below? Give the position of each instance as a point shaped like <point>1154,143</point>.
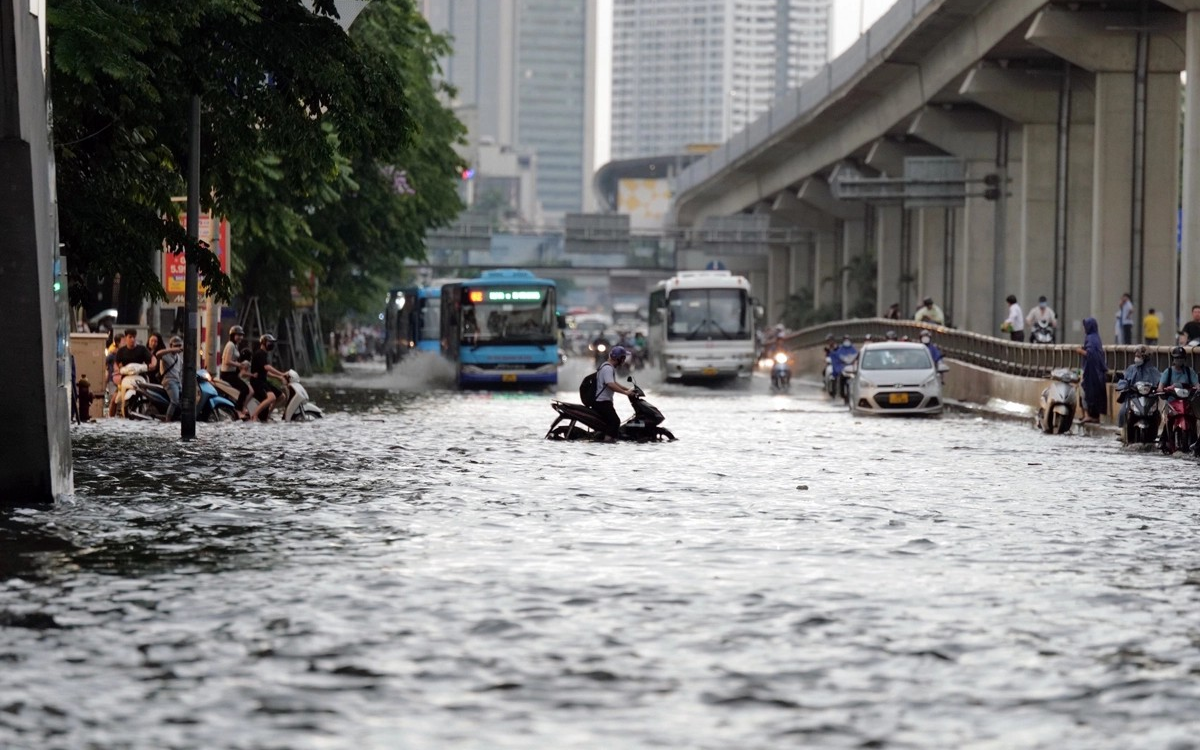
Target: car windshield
<point>896,359</point>
<point>707,313</point>
<point>501,315</point>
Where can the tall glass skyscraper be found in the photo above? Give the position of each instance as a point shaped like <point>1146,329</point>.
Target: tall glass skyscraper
<point>697,71</point>
<point>525,74</point>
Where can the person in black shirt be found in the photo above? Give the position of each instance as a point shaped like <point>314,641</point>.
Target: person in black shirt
<point>260,370</point>
<point>1191,329</point>
<point>130,352</point>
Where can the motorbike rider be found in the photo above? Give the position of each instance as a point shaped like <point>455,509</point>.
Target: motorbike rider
<point>606,386</point>
<point>1042,313</point>
<point>260,369</point>
<point>830,343</point>
<point>891,336</point>
<point>840,357</point>
<point>597,352</point>
<point>129,353</point>
<point>230,372</point>
<point>1179,373</point>
<point>1141,371</point>
<point>934,351</point>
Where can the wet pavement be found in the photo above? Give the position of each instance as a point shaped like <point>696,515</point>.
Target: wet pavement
<point>422,570</point>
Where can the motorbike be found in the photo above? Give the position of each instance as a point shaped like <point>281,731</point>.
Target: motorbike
<point>1179,428</point>
<point>211,404</point>
<point>293,404</point>
<point>1042,333</point>
<point>1058,402</point>
<point>583,423</point>
<point>827,378</point>
<point>599,350</point>
<point>1142,415</point>
<point>781,373</point>
<point>843,378</point>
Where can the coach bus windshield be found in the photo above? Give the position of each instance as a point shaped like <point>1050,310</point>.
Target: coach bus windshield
<point>707,314</point>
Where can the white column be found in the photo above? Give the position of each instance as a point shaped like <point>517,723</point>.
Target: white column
<point>1189,276</point>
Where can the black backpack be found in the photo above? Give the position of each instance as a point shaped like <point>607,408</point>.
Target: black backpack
<point>587,389</point>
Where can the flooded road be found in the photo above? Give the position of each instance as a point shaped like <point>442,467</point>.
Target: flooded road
<point>422,570</point>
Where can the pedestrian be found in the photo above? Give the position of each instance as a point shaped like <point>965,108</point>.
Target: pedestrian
<point>1150,325</point>
<point>1124,329</point>
<point>1095,370</point>
<point>1042,314</point>
<point>1014,324</point>
<point>230,372</point>
<point>1191,329</point>
<point>930,313</point>
<point>171,362</point>
<point>893,311</point>
<point>606,385</point>
<point>156,344</point>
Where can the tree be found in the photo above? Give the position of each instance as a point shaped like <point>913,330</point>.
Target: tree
<point>295,114</point>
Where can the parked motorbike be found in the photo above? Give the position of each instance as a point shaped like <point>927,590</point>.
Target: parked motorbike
<point>211,404</point>
<point>1042,333</point>
<point>583,423</point>
<point>1179,428</point>
<point>781,373</point>
<point>1058,402</point>
<point>147,401</point>
<point>1142,414</point>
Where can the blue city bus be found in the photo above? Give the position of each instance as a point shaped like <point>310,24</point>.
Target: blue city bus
<point>501,329</point>
<point>413,321</point>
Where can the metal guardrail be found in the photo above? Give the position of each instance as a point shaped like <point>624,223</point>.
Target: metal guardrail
<point>999,355</point>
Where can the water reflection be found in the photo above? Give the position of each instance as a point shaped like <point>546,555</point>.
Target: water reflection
<point>421,569</point>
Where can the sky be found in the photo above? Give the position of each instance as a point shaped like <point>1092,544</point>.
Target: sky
<point>848,17</point>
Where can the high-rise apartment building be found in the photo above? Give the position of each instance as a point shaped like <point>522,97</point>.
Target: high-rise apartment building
<point>525,74</point>
<point>697,71</point>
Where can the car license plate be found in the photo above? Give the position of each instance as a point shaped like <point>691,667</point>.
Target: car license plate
<point>897,398</point>
<point>709,371</point>
<point>508,377</point>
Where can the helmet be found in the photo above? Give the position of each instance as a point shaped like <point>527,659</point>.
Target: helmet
<point>926,336</point>
<point>1177,352</point>
<point>829,337</point>
<point>236,331</point>
<point>1142,351</point>
<point>891,335</point>
<point>618,352</point>
<point>267,341</point>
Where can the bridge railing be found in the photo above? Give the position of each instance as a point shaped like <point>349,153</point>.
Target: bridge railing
<point>988,352</point>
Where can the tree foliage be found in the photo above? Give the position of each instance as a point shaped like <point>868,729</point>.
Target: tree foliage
<point>299,123</point>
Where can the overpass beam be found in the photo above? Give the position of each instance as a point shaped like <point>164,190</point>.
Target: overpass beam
<point>1136,59</point>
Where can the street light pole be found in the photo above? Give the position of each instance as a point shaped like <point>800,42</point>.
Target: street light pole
<point>187,417</point>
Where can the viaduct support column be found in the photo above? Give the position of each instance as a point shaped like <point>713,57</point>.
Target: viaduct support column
<point>35,465</point>
<point>1136,59</point>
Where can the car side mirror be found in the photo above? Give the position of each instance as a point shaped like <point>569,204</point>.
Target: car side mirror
<point>629,379</point>
<point>943,367</point>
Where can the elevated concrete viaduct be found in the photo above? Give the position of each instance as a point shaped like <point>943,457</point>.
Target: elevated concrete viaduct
<point>1074,108</point>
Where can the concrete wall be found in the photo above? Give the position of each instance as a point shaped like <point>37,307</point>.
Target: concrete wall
<point>35,464</point>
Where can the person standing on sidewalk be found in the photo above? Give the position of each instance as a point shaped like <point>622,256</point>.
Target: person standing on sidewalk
<point>1014,324</point>
<point>1124,328</point>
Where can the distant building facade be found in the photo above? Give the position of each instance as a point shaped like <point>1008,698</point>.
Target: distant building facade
<point>525,74</point>
<point>688,72</point>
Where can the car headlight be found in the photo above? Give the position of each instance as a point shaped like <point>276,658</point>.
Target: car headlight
<point>865,383</point>
<point>931,381</point>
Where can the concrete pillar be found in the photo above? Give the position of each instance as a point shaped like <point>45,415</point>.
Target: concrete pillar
<point>930,259</point>
<point>1107,43</point>
<point>825,269</point>
<point>35,465</point>
<point>778,261</point>
<point>1189,259</point>
<point>972,136</point>
<point>830,282</point>
<point>854,245</point>
<point>887,239</point>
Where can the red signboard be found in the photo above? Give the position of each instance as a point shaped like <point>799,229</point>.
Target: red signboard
<point>175,266</point>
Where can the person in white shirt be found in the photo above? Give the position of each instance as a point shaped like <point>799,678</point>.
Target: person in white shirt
<point>1043,313</point>
<point>930,313</point>
<point>1014,324</point>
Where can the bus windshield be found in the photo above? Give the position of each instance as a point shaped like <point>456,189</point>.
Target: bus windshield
<point>494,315</point>
<point>707,313</point>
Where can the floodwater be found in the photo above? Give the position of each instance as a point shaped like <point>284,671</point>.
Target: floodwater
<point>422,570</point>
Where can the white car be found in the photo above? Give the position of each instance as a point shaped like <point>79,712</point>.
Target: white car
<point>894,377</point>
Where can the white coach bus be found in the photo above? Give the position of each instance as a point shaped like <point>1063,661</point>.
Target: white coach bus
<point>702,326</point>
